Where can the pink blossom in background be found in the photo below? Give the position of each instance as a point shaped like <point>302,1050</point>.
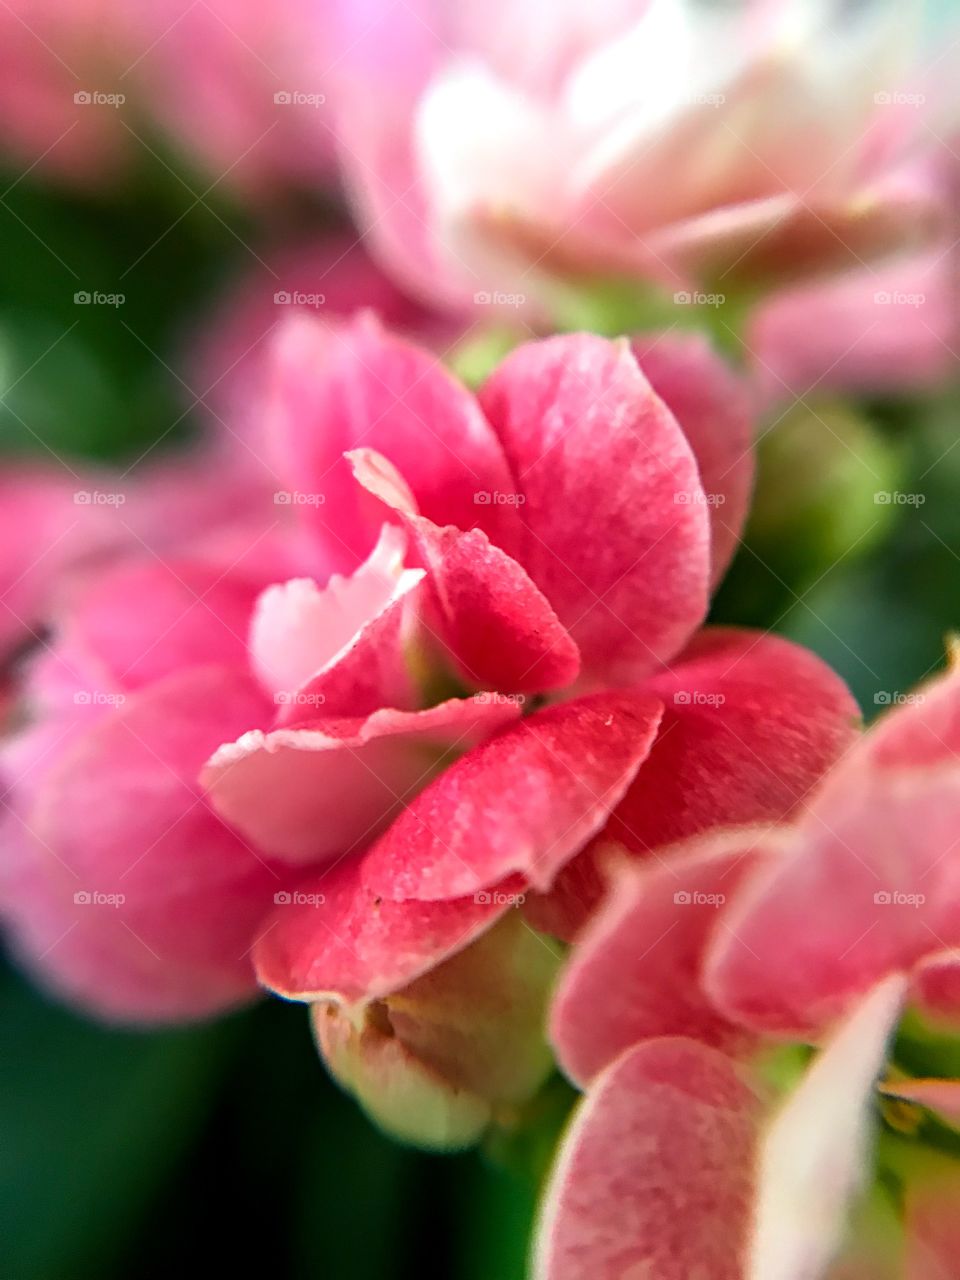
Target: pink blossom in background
<point>671,142</point>
<point>214,731</point>
<point>235,86</point>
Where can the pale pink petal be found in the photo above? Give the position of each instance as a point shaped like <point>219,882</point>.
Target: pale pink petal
<point>526,801</point>
<point>334,784</point>
<point>350,386</point>
<point>889,328</point>
<point>635,971</point>
<point>302,633</point>
<point>816,1153</point>
<point>584,433</point>
<point>654,1175</point>
<point>491,621</point>
<point>714,409</point>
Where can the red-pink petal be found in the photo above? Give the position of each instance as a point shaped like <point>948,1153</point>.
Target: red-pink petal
<point>526,801</point>
<point>635,971</point>
<point>336,389</point>
<point>714,409</point>
<point>118,813</point>
<point>331,936</point>
<point>491,621</point>
<point>942,1096</point>
<point>936,988</point>
<point>751,722</point>
<point>614,528</point>
<point>933,1223</point>
<point>326,787</point>
<point>654,1177</point>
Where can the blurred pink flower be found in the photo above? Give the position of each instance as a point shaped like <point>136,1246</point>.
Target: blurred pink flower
<point>682,144</point>
<point>238,87</point>
<point>822,931</point>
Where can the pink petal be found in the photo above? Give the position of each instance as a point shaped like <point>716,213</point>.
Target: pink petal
<point>145,620</point>
<point>889,328</point>
<point>334,784</point>
<point>867,889</point>
<point>752,721</point>
<point>654,1176</point>
<point>526,801</point>
<point>332,937</point>
<point>493,623</point>
<point>713,408</point>
<point>583,433</point>
<point>117,812</point>
<point>301,634</point>
<point>635,971</point>
<point>335,389</point>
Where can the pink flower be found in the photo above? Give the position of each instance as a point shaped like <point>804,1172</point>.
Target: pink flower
<point>682,145</point>
<point>465,649</point>
<point>822,931</point>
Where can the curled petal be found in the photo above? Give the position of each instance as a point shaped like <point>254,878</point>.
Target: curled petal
<point>493,623</point>
<point>335,784</point>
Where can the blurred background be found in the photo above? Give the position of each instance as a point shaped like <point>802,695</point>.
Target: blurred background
<point>133,234</point>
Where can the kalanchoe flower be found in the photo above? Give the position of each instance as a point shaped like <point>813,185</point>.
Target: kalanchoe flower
<point>690,145</point>
<point>411,704</point>
<point>822,931</point>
